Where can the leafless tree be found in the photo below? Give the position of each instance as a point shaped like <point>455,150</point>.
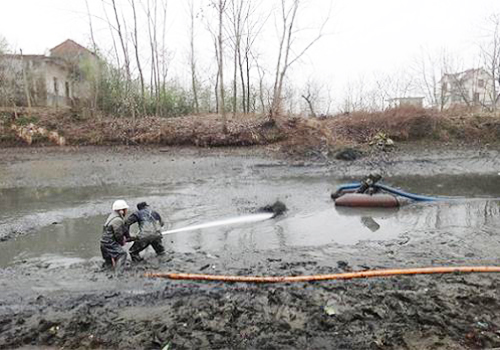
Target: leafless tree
<point>192,58</point>
<point>122,37</point>
<point>245,26</point>
<point>390,86</point>
<point>4,45</point>
<point>164,58</point>
<point>135,41</point>
<point>93,77</point>
<point>26,84</point>
<point>151,13</point>
<point>491,56</point>
<point>429,71</point>
<point>91,28</point>
<point>254,22</point>
<point>262,73</point>
<point>286,56</point>
<point>112,30</point>
<point>311,95</point>
<point>220,8</point>
<point>235,34</point>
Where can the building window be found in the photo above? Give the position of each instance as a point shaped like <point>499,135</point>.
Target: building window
<point>476,97</point>
<point>480,83</point>
<point>67,89</point>
<point>56,87</point>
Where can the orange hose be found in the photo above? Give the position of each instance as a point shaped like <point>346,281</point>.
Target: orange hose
<point>335,276</point>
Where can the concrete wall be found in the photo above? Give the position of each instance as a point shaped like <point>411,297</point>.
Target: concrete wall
<point>58,85</point>
<point>47,79</point>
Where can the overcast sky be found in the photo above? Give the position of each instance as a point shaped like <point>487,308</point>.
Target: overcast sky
<point>363,37</point>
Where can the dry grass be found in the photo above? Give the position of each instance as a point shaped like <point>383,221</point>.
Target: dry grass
<point>199,130</point>
<point>400,124</point>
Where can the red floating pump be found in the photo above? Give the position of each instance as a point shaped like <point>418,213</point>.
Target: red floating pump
<point>379,200</point>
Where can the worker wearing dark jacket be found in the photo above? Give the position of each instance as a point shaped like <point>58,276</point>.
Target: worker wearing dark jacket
<point>150,224</point>
<point>114,236</point>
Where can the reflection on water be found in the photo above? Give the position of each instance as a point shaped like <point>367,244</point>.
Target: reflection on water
<point>370,223</point>
<point>312,219</point>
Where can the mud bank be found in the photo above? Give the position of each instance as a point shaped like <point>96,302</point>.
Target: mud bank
<point>54,293</point>
<point>449,312</point>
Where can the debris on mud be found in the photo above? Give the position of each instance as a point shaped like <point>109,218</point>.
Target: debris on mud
<point>277,208</point>
<point>348,154</point>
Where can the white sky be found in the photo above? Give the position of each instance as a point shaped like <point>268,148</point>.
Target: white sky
<point>364,37</point>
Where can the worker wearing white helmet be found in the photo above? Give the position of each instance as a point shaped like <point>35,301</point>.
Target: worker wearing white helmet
<point>114,236</point>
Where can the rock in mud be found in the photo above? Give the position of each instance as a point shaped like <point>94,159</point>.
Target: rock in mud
<point>348,154</point>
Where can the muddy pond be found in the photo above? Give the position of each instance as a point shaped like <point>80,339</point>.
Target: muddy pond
<point>53,207</point>
<point>63,225</point>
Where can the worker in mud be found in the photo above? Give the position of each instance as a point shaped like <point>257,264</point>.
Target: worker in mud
<point>114,236</point>
<point>150,224</point>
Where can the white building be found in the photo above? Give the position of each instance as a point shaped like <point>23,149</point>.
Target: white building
<point>470,88</point>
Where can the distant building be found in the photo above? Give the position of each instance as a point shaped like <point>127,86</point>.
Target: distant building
<point>73,52</point>
<point>406,101</point>
<point>46,81</point>
<point>470,88</point>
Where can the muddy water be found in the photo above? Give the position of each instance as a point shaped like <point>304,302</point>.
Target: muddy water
<point>62,225</point>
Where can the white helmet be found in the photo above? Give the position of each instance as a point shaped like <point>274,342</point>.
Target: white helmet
<point>120,204</point>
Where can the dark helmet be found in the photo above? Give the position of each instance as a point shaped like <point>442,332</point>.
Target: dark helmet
<point>142,205</point>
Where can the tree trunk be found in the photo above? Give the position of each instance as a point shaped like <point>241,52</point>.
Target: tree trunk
<point>193,61</point>
<point>221,67</point>
<point>139,67</point>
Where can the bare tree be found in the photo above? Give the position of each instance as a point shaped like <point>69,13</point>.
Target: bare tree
<point>235,18</point>
<point>311,96</point>
<point>4,45</point>
<point>26,84</point>
<point>112,34</point>
<point>245,26</point>
<point>360,95</point>
<point>288,19</point>
<point>121,36</point>
<point>220,8</point>
<point>135,42</point>
<point>154,81</point>
<point>429,71</point>
<point>94,45</point>
<point>94,77</point>
<point>261,72</point>
<point>389,87</point>
<point>192,59</point>
<point>255,22</point>
<point>491,57</point>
